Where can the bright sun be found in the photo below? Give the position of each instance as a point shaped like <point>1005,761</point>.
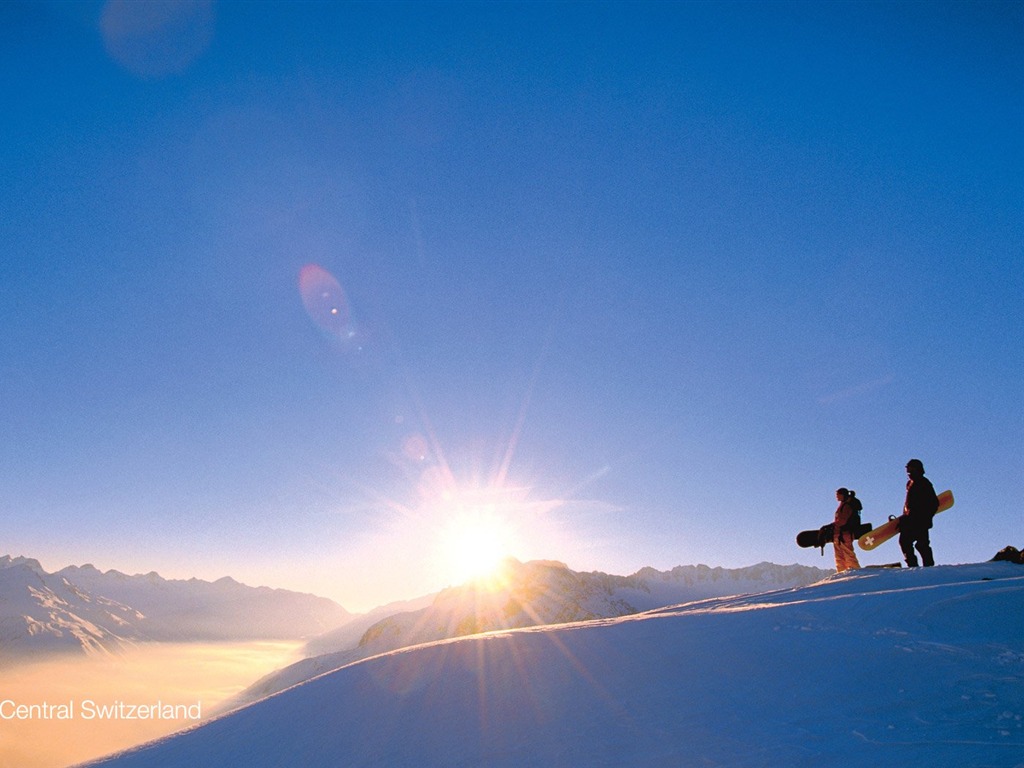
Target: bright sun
<point>473,545</point>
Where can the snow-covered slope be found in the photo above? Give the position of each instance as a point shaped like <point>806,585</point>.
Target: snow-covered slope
<point>80,609</point>
<point>529,594</point>
<point>871,668</point>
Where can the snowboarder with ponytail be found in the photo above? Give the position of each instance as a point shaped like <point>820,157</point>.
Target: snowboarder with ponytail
<point>918,511</point>
<point>844,533</point>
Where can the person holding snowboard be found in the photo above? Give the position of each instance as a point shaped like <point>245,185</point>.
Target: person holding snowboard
<point>843,529</point>
<point>918,511</point>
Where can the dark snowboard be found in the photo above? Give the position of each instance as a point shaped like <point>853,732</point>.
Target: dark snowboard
<point>816,538</point>
<point>823,535</point>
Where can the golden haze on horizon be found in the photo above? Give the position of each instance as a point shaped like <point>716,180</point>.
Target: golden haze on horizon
<point>172,673</point>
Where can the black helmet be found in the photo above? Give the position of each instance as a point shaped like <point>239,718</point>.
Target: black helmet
<point>915,465</point>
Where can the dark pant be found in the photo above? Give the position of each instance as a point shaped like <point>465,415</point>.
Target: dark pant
<point>914,535</point>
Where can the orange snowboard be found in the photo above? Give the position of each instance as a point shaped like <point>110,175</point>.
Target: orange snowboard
<point>887,530</point>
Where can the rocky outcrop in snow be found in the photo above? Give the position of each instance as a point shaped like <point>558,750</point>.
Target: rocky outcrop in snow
<point>1010,555</point>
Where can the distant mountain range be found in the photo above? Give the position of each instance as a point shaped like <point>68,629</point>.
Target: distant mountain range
<point>548,592</point>
<point>82,609</point>
<point>525,595</point>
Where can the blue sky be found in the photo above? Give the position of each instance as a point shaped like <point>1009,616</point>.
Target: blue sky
<point>642,282</point>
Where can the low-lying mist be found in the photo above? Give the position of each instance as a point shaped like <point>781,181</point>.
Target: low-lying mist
<point>63,711</point>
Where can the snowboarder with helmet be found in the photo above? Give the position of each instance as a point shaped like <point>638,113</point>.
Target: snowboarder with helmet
<point>918,510</point>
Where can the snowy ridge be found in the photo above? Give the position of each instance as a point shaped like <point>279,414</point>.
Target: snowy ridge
<point>870,668</point>
<point>548,592</point>
<point>83,610</point>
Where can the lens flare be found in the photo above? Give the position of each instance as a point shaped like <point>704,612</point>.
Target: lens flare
<point>415,448</point>
<point>157,38</point>
<point>325,302</point>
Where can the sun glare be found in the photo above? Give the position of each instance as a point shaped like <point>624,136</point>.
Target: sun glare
<point>474,545</point>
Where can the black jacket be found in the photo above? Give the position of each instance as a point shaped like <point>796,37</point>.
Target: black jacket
<point>921,503</point>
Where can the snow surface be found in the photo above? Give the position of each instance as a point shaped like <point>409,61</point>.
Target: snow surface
<point>528,594</point>
<point>868,668</point>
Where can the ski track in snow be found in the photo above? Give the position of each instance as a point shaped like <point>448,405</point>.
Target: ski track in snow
<point>869,669</point>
